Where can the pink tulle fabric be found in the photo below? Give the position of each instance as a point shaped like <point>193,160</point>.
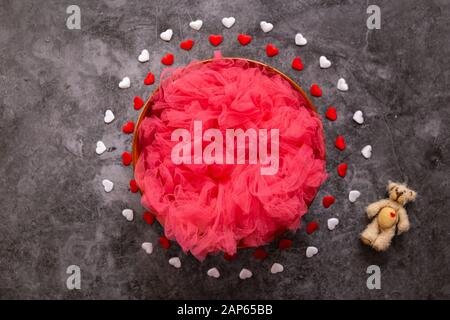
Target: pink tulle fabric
<point>211,208</point>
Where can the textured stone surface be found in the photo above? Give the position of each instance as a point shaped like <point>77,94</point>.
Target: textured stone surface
<point>55,85</point>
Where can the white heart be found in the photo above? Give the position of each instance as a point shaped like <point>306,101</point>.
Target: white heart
<point>148,247</point>
<point>109,116</point>
<point>196,25</point>
<point>100,147</point>
<point>213,272</point>
<point>342,85</point>
<point>332,223</point>
<point>245,274</point>
<point>367,151</point>
<point>353,195</point>
<point>128,214</point>
<point>125,83</point>
<point>324,62</point>
<point>144,56</point>
<point>276,268</point>
<point>300,40</point>
<point>228,22</point>
<point>266,26</point>
<point>166,35</point>
<point>175,262</point>
<point>358,117</point>
<point>311,251</point>
<point>108,185</point>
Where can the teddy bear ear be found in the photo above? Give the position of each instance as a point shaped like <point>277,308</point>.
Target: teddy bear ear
<point>391,185</point>
<point>413,195</point>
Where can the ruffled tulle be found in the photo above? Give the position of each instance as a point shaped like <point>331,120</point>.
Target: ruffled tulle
<point>210,208</point>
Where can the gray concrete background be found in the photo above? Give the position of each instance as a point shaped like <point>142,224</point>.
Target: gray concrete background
<point>55,85</point>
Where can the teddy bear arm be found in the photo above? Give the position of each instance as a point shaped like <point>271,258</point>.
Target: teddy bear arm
<point>374,208</point>
<point>403,221</point>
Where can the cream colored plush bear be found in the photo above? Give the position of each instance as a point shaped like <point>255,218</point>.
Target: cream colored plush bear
<point>388,215</point>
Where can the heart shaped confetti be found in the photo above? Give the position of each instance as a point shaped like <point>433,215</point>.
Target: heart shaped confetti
<point>213,273</point>
<point>260,254</point>
<point>148,247</point>
<point>244,39</point>
<point>175,262</point>
<point>300,40</point>
<point>332,223</point>
<point>327,201</point>
<point>144,56</point>
<point>354,195</point>
<point>367,151</point>
<point>228,22</point>
<point>284,244</point>
<point>215,39</point>
<point>311,227</point>
<point>126,158</point>
<point>324,62</point>
<point>133,186</point>
<point>164,242</point>
<point>311,251</point>
<point>128,127</point>
<point>315,90</point>
<point>342,85</point>
<point>245,274</point>
<point>331,114</point>
<point>358,117</point>
<point>100,147</point>
<point>196,25</point>
<point>138,103</point>
<point>297,64</point>
<point>108,185</point>
<point>266,26</point>
<point>168,59</point>
<point>271,50</point>
<point>148,217</point>
<point>340,143</point>
<point>109,116</point>
<point>342,169</point>
<point>149,79</point>
<point>187,45</point>
<point>166,35</point>
<point>125,83</point>
<point>276,268</point>
<point>128,214</point>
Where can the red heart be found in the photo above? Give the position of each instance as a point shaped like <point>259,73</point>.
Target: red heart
<point>331,114</point>
<point>393,214</point>
<point>284,244</point>
<point>149,79</point>
<point>229,257</point>
<point>327,201</point>
<point>215,39</point>
<point>311,227</point>
<point>148,217</point>
<point>342,169</point>
<point>315,90</point>
<point>128,127</point>
<point>164,242</point>
<point>187,45</point>
<point>133,186</point>
<point>271,50</point>
<point>260,254</point>
<point>138,103</point>
<point>167,59</point>
<point>244,39</point>
<point>126,158</point>
<point>297,64</point>
<point>340,143</point>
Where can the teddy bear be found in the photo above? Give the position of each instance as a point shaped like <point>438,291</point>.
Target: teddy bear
<point>388,215</point>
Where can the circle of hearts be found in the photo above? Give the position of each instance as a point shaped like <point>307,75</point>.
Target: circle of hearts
<point>271,51</point>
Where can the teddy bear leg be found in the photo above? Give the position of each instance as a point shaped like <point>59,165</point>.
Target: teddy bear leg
<point>383,241</point>
<point>369,235</point>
